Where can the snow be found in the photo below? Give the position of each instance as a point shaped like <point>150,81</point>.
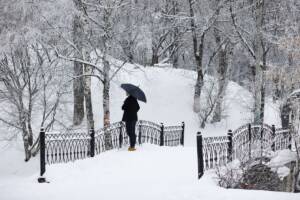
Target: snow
<point>152,172</point>
<point>282,157</point>
<point>278,161</point>
<point>169,97</point>
<point>170,93</point>
<point>283,172</point>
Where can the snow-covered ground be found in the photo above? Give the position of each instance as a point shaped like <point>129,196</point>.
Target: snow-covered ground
<point>151,172</point>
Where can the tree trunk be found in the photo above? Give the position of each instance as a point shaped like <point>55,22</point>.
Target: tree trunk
<point>258,116</point>
<point>285,115</point>
<point>25,134</point>
<point>263,96</point>
<point>220,74</point>
<point>198,54</point>
<point>88,95</point>
<point>200,78</point>
<point>106,110</point>
<point>175,47</point>
<point>175,36</point>
<point>154,56</point>
<point>29,112</point>
<point>78,91</point>
<point>78,83</point>
<point>222,69</point>
<point>128,39</point>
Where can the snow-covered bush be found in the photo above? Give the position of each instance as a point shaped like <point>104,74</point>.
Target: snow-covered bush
<point>230,175</point>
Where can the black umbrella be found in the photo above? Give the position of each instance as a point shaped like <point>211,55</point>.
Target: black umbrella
<point>134,91</point>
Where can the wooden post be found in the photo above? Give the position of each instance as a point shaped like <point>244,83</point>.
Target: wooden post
<point>273,137</point>
<point>41,179</point>
<point>162,135</point>
<point>200,155</point>
<point>249,139</point>
<point>229,145</point>
<point>182,134</point>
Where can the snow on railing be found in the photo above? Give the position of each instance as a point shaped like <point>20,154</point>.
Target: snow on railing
<point>247,142</point>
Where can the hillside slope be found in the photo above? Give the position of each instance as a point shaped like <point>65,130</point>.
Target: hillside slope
<point>170,100</point>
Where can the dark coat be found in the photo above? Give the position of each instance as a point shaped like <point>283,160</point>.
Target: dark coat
<point>130,107</point>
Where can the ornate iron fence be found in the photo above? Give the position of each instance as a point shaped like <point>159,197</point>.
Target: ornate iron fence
<point>149,132</point>
<point>215,151</point>
<point>283,139</point>
<point>66,147</point>
<point>248,142</point>
<point>57,147</point>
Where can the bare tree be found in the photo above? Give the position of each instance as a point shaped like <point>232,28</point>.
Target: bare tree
<point>82,84</point>
<point>224,56</point>
<point>223,73</point>
<point>102,17</point>
<point>198,54</point>
<point>199,32</point>
<point>258,53</point>
<point>24,82</point>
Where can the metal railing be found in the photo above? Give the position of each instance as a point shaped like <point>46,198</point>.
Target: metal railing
<point>58,147</point>
<point>246,143</point>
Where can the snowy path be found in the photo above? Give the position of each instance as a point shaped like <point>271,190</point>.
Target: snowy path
<point>150,173</point>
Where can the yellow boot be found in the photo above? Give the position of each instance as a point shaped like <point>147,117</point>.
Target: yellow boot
<point>131,149</point>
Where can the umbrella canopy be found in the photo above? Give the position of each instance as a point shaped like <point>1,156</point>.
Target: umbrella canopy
<point>134,91</point>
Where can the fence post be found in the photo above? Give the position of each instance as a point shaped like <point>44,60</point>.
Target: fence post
<point>162,135</point>
<point>229,135</point>
<point>92,142</point>
<point>41,179</point>
<point>182,134</point>
<point>121,136</point>
<point>140,133</point>
<point>273,137</point>
<point>200,155</point>
<point>249,138</point>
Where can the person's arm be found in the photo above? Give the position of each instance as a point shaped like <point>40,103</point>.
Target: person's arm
<point>136,106</point>
<point>125,105</point>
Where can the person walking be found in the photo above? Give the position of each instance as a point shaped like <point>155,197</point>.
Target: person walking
<point>130,107</point>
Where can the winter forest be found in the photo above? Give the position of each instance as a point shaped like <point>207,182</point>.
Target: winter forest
<point>222,82</point>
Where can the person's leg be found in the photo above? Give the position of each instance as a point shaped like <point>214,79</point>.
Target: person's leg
<point>128,130</point>
<point>133,134</point>
<point>130,126</point>
<point>131,129</point>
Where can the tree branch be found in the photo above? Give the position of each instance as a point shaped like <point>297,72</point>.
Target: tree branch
<point>80,61</point>
<point>115,73</point>
<point>250,50</point>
